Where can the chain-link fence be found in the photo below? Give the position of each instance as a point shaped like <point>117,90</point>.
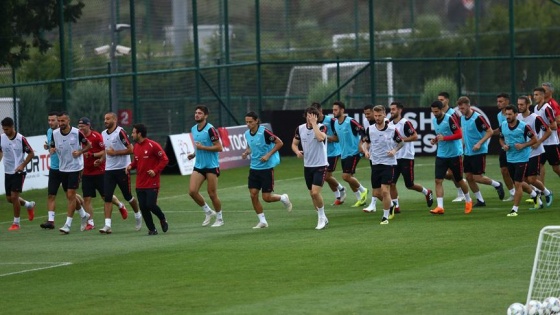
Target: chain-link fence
<point>152,61</point>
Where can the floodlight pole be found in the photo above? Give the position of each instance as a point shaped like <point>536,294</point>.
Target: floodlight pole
<point>112,56</point>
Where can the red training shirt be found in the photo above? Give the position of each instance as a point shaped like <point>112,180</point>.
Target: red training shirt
<point>148,155</point>
<point>96,146</point>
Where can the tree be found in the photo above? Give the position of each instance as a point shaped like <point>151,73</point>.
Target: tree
<point>22,22</point>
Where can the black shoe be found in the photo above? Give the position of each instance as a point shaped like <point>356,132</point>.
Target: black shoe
<point>164,226</point>
<point>500,190</point>
<point>47,225</point>
<point>154,232</point>
<point>479,203</point>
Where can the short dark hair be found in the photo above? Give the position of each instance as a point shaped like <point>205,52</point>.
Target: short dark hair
<point>53,113</point>
<point>526,99</point>
<point>444,94</point>
<point>252,115</point>
<point>437,104</point>
<point>513,108</point>
<point>368,106</point>
<point>339,104</point>
<point>63,113</point>
<point>539,89</point>
<point>7,122</point>
<point>398,104</point>
<point>141,129</point>
<point>203,108</point>
<point>311,110</point>
<point>503,95</point>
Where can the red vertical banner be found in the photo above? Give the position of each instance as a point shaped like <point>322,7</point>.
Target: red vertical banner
<point>125,117</point>
<point>224,135</point>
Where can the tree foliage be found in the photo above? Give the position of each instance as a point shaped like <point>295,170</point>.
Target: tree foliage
<point>23,25</point>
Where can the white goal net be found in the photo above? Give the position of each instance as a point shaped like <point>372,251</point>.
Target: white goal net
<point>545,278</point>
<point>303,79</point>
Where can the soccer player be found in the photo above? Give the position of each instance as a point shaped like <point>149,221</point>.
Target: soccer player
<point>70,144</point>
<point>54,174</point>
<point>542,132</point>
<point>516,138</point>
<point>405,157</point>
<point>333,155</point>
<point>262,149</point>
<point>551,149</point>
<point>149,161</point>
<point>117,157</point>
<point>206,166</point>
<point>476,132</point>
<point>443,97</point>
<point>369,120</point>
<point>502,101</point>
<point>381,143</point>
<point>449,155</point>
<point>548,91</point>
<point>313,139</point>
<point>15,153</point>
<point>348,132</point>
<point>94,170</point>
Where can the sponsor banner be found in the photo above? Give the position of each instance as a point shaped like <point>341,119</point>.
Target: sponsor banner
<point>286,122</point>
<point>37,170</point>
<point>233,141</point>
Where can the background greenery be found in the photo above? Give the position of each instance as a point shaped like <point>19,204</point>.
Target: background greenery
<point>419,263</point>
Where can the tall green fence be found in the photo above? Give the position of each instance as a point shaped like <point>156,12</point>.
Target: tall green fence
<point>153,61</point>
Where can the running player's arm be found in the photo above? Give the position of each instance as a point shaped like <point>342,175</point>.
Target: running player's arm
<point>216,143</point>
<point>455,128</point>
<point>160,155</point>
<point>365,143</point>
<point>269,137</point>
<point>530,134</point>
<point>410,133</point>
<point>86,145</point>
<point>483,126</point>
<point>549,113</point>
<point>542,126</point>
<point>295,144</point>
<point>30,154</point>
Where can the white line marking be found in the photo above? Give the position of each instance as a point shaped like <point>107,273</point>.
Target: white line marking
<point>56,265</point>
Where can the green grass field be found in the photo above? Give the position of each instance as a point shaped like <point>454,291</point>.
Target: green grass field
<point>418,264</point>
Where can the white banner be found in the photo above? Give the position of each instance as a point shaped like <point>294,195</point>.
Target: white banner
<point>37,170</point>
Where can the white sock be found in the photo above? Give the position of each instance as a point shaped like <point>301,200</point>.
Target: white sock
<point>373,201</point>
<point>283,198</point>
<point>69,221</point>
<point>460,192</point>
<point>336,193</point>
<point>340,187</point>
<point>424,191</point>
<point>478,196</point>
<point>546,192</point>
<point>385,213</point>
<point>512,191</point>
<point>82,212</point>
<point>16,220</point>
<point>108,222</point>
<point>121,205</point>
<point>361,188</point>
<point>515,208</point>
<point>261,217</point>
<point>495,184</point>
<point>137,215</point>
<point>51,216</point>
<point>321,212</point>
<point>440,202</point>
<point>396,202</point>
<point>467,197</point>
<point>219,215</point>
<point>206,208</point>
<point>90,222</point>
<point>27,204</point>
<point>358,194</point>
<point>533,193</point>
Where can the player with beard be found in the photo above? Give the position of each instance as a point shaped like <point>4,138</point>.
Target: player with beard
<point>516,138</point>
<point>94,170</point>
<point>348,133</point>
<point>405,157</point>
<point>381,144</point>
<point>502,101</point>
<point>533,167</point>
<point>117,157</point>
<point>206,166</point>
<point>449,155</point>
<point>551,149</point>
<point>15,153</point>
<point>476,132</point>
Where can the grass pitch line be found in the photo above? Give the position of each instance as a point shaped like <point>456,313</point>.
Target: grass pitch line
<point>52,265</point>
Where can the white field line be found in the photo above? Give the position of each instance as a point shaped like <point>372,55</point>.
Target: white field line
<point>52,265</point>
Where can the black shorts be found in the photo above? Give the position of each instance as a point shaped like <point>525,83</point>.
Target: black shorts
<point>454,164</point>
<point>405,167</point>
<point>333,160</point>
<point>475,164</point>
<point>551,154</point>
<point>14,182</point>
<point>382,175</point>
<point>314,176</point>
<point>517,171</point>
<point>204,171</point>
<point>534,166</point>
<point>54,182</point>
<point>113,178</point>
<point>503,159</point>
<point>349,164</point>
<point>71,180</point>
<point>261,180</point>
<point>92,183</point>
